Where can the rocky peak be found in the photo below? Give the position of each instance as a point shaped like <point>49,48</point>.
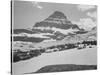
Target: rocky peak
<point>57,21</point>
<point>57,17</point>
<point>58,14</point>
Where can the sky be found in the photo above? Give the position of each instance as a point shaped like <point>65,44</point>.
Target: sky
<point>27,13</point>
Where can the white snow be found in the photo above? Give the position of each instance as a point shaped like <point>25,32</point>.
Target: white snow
<point>63,31</point>
<point>39,35</point>
<point>86,56</point>
<point>49,40</point>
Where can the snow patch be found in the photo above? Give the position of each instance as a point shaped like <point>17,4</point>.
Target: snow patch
<point>63,31</point>
<point>40,35</point>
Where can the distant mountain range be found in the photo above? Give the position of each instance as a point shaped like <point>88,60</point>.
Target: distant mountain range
<point>55,27</point>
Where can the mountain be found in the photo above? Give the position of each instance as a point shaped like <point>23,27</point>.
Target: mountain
<point>55,27</point>
<point>58,25</point>
<point>56,20</point>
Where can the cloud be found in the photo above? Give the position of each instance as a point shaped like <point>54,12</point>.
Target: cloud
<point>36,4</point>
<point>85,7</point>
<point>92,15</point>
<point>85,23</point>
<point>88,23</point>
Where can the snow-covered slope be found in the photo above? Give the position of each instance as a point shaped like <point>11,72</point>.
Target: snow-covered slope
<point>79,57</point>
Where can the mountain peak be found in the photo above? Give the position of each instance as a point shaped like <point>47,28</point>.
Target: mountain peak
<point>56,20</point>
<point>58,14</point>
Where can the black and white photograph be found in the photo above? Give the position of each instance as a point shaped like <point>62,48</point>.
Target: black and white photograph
<point>52,37</point>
